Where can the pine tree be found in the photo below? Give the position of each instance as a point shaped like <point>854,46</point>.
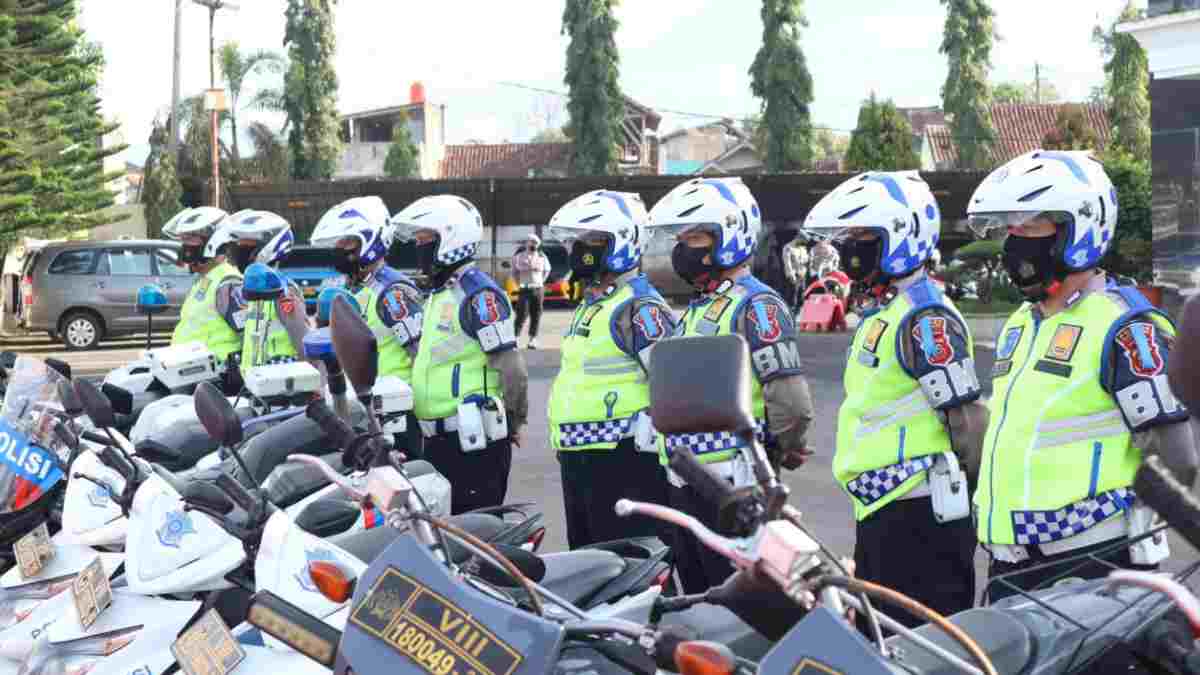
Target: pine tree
<point>594,101</point>
<point>966,96</point>
<point>310,88</point>
<point>780,77</point>
<point>52,178</point>
<point>883,139</point>
<point>403,158</point>
<point>1127,76</point>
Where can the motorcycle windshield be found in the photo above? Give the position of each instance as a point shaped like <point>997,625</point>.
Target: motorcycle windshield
<point>31,456</point>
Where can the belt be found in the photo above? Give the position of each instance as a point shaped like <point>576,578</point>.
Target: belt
<point>431,428</point>
<point>921,490</point>
<point>1114,528</point>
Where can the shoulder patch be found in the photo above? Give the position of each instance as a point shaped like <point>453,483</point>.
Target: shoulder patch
<point>933,332</point>
<point>1008,345</point>
<point>487,308</point>
<point>1062,346</point>
<point>1137,341</point>
<point>396,303</point>
<point>287,305</point>
<point>765,318</point>
<point>649,319</point>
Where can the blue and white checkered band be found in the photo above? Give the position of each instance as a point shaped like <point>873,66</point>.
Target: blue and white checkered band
<point>1041,527</point>
<point>717,441</point>
<point>871,486</point>
<point>460,253</point>
<point>585,433</point>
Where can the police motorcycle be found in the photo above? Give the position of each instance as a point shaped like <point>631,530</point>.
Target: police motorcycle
<point>416,610</point>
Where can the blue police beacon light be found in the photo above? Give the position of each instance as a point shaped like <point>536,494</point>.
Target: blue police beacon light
<point>325,303</point>
<point>260,282</point>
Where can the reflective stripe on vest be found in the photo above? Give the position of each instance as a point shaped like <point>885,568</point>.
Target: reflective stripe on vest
<point>199,320</point>
<point>450,365</point>
<point>266,339</point>
<point>716,317</point>
<point>599,390</point>
<point>1058,458</point>
<point>887,430</point>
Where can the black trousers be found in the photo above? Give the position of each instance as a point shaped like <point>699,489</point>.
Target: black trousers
<point>593,481</point>
<point>1120,659</point>
<point>477,479</point>
<point>700,568</point>
<point>529,303</point>
<point>903,547</point>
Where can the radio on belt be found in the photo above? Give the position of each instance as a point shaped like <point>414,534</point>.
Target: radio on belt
<point>282,379</point>
<point>182,365</point>
<point>391,399</point>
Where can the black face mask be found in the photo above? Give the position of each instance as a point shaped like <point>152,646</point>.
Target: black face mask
<point>587,261</point>
<point>689,264</point>
<point>1030,264</point>
<point>191,255</point>
<point>427,256</point>
<point>860,257</point>
<point>346,262</point>
<point>242,256</point>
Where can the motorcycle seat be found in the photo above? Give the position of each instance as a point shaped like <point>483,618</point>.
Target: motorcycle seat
<point>577,575</point>
<point>327,517</point>
<point>1005,640</point>
<point>366,545</point>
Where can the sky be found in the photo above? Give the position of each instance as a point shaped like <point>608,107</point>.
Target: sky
<point>688,56</point>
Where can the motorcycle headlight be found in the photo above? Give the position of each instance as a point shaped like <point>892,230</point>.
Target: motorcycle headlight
<point>16,604</point>
<point>76,657</point>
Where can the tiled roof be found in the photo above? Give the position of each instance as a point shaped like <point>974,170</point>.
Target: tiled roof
<point>1020,128</point>
<point>502,160</point>
<point>920,118</point>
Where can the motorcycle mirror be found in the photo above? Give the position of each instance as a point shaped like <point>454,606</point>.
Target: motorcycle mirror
<point>204,493</point>
<point>96,404</point>
<point>686,399</point>
<point>355,346</point>
<point>69,398</point>
<point>1183,370</point>
<point>331,580</point>
<point>217,415</point>
<point>61,367</point>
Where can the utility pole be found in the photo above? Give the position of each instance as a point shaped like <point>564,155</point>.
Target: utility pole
<point>174,118</point>
<point>1037,82</point>
<point>216,101</point>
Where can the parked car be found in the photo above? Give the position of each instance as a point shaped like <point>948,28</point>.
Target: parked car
<point>83,292</point>
<point>559,287</point>
<point>309,267</point>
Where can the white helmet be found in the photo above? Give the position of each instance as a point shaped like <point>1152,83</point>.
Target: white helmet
<point>723,207</point>
<point>272,233</point>
<point>897,205</point>
<point>454,220</point>
<point>1070,187</point>
<point>534,238</point>
<point>201,221</point>
<point>364,218</point>
<point>619,217</point>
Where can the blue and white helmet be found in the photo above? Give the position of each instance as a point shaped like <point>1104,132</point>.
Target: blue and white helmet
<point>362,218</point>
<point>454,220</point>
<point>1070,187</point>
<point>723,207</point>
<point>897,205</point>
<point>272,232</point>
<point>619,217</point>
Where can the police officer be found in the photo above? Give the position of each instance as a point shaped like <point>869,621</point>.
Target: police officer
<point>912,395</point>
<point>601,395</point>
<point>1080,380</point>
<point>391,303</point>
<point>213,312</point>
<point>467,364</point>
<point>716,222</point>
<point>275,329</point>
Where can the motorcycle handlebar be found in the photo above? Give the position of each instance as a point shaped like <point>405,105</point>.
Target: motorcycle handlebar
<point>236,491</point>
<point>1157,487</point>
<point>93,437</point>
<point>710,486</point>
<point>338,431</point>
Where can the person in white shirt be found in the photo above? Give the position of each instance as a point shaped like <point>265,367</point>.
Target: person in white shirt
<point>530,269</point>
<point>795,266</point>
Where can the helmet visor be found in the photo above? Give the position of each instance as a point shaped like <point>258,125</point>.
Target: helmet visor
<point>995,226</point>
<point>567,236</point>
<point>672,232</point>
<point>410,232</point>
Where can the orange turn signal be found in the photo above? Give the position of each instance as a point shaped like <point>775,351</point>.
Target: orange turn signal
<point>703,658</point>
<point>331,580</point>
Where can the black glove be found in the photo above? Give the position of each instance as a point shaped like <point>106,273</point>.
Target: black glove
<point>759,602</point>
<point>231,379</point>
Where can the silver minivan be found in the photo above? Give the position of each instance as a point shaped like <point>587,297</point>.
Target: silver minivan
<point>82,292</point>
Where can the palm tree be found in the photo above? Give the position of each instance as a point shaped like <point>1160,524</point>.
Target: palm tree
<point>236,66</point>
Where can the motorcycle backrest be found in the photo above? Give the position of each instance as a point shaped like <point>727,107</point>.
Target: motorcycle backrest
<point>61,367</point>
<point>70,399</point>
<point>355,345</point>
<point>96,404</point>
<point>701,384</point>
<point>217,415</point>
